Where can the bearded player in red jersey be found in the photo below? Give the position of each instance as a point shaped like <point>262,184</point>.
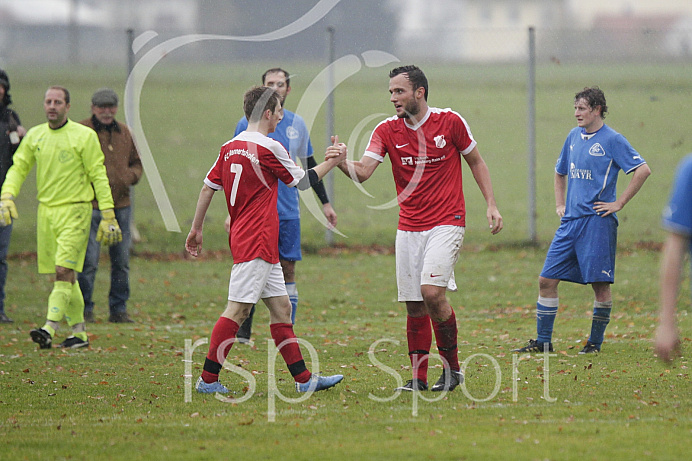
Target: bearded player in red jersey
<point>248,170</point>
<point>425,146</point>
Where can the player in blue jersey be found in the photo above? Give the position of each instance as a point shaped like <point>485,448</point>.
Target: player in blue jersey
<point>293,134</point>
<point>584,246</point>
<point>677,220</point>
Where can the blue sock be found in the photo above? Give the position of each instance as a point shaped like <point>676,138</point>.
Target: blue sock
<point>293,297</point>
<point>546,309</point>
<point>601,318</point>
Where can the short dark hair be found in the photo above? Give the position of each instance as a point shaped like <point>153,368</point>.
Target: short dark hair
<point>594,97</point>
<point>414,75</point>
<point>276,70</point>
<point>268,98</point>
<point>64,90</point>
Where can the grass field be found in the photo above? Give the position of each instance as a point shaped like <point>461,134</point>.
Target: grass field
<point>125,397</point>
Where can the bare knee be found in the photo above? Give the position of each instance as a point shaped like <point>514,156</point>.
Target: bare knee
<point>548,287</point>
<point>601,291</point>
<point>435,300</point>
<point>63,274</point>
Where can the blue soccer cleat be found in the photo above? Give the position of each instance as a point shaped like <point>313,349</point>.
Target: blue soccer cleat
<point>319,383</point>
<point>210,388</point>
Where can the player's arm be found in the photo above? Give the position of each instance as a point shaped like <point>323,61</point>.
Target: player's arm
<point>93,158</point>
<point>23,162</point>
<point>321,192</point>
<point>638,178</point>
<point>481,174</point>
<point>667,337</point>
<point>560,194</point>
<point>359,171</point>
<point>193,243</point>
<point>335,154</point>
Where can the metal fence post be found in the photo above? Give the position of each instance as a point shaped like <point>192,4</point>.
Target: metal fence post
<point>329,180</point>
<point>531,134</point>
<point>136,236</point>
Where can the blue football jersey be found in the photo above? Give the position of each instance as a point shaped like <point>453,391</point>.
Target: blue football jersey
<point>677,215</point>
<point>591,163</point>
<point>293,134</point>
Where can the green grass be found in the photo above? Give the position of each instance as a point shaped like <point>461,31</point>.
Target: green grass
<point>124,398</point>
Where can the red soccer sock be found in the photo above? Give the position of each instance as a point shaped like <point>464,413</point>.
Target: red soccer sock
<point>285,340</point>
<point>419,336</point>
<point>222,334</point>
<point>446,337</point>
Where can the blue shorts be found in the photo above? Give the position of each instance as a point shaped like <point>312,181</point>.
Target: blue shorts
<point>583,251</point>
<point>289,240</point>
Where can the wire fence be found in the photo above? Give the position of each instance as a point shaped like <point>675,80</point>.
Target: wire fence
<point>69,45</point>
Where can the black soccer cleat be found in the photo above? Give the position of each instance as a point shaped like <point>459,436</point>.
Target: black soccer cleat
<point>449,380</point>
<point>42,338</point>
<point>413,385</point>
<point>74,342</point>
<point>534,346</point>
<point>590,348</point>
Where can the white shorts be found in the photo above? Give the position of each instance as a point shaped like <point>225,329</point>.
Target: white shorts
<point>255,280</point>
<point>427,258</point>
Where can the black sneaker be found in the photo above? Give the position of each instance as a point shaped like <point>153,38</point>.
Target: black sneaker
<point>89,316</point>
<point>4,318</point>
<point>42,338</point>
<point>448,382</point>
<point>590,348</point>
<point>120,317</point>
<point>74,342</point>
<point>534,346</point>
<point>413,385</point>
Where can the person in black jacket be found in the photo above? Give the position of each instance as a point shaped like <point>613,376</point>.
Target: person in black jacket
<point>11,133</point>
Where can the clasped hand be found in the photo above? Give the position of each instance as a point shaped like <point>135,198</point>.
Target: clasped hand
<point>337,150</point>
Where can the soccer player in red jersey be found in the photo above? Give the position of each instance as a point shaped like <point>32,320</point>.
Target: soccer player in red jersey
<point>425,146</point>
<point>248,169</point>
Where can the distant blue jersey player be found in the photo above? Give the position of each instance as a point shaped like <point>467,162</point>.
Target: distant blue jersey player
<point>293,134</point>
<point>584,246</point>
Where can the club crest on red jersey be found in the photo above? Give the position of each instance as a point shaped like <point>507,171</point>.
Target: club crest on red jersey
<point>440,141</point>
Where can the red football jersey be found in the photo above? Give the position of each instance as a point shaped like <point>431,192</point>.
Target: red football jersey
<point>426,163</point>
<point>248,169</point>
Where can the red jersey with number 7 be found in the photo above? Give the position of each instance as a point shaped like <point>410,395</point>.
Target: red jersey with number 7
<point>248,169</point>
<point>426,163</point>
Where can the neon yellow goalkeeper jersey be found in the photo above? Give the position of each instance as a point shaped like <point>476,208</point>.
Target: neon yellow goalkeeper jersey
<point>68,162</point>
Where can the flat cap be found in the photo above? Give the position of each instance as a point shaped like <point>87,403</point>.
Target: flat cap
<point>104,97</point>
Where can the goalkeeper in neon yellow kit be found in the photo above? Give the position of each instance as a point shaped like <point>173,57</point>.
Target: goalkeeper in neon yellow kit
<point>69,171</point>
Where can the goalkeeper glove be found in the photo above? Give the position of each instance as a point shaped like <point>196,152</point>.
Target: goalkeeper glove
<point>8,210</point>
<point>109,232</point>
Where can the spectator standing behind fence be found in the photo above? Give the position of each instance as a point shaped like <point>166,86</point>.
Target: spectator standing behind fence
<point>124,169</point>
<point>293,134</point>
<point>69,172</point>
<point>11,132</point>
<point>677,220</point>
<point>584,246</point>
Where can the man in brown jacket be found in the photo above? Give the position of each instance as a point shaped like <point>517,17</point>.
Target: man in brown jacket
<point>124,169</point>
